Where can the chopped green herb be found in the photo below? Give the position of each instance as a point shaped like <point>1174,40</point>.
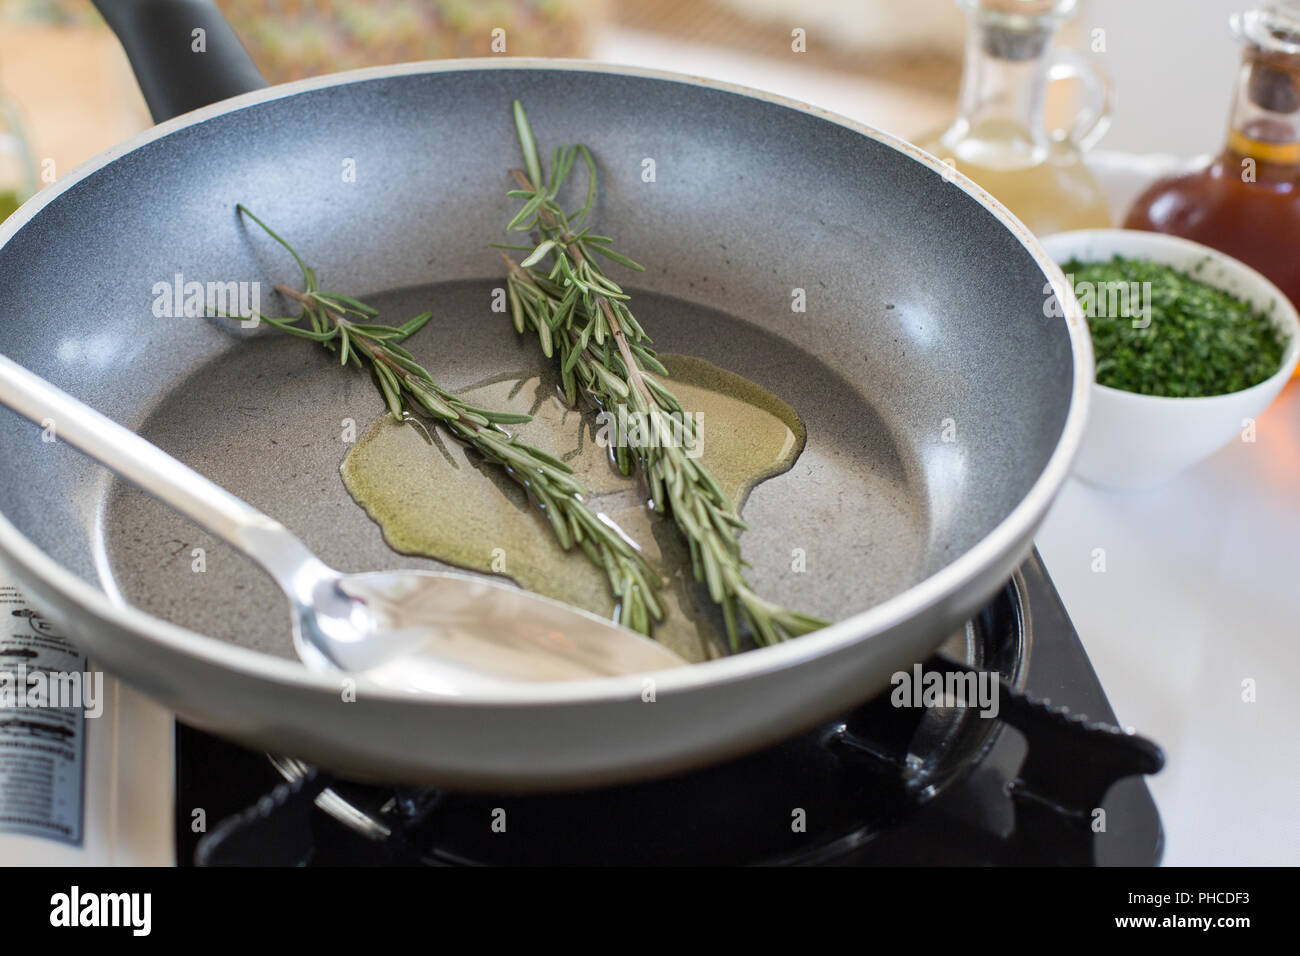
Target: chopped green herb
<point>1172,334</point>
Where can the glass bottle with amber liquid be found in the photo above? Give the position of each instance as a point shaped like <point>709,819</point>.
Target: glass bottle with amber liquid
<point>1000,136</point>
<point>1246,201</point>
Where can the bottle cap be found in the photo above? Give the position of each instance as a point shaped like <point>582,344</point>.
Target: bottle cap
<point>1019,30</point>
<point>1274,27</point>
<point>1273,34</point>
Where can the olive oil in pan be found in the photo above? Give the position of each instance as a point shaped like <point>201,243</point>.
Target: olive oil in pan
<point>432,497</point>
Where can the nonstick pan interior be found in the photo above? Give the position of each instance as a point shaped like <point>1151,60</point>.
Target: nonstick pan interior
<point>924,321</point>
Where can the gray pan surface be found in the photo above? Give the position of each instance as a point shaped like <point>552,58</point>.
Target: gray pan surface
<point>942,405</point>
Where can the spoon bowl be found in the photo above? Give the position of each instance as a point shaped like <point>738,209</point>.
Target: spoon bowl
<point>440,632</point>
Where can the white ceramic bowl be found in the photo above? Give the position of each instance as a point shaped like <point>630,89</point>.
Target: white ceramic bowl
<point>1139,441</point>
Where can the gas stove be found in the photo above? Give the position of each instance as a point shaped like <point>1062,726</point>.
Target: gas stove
<point>1050,779</point>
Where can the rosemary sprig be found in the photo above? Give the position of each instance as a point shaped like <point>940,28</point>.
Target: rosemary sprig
<point>342,323</point>
<point>582,318</point>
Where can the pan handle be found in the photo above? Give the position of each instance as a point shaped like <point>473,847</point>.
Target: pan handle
<point>183,52</point>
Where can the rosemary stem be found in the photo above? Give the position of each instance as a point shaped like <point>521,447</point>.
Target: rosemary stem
<point>572,307</point>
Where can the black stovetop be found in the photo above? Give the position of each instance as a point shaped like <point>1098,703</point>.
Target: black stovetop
<point>878,786</point>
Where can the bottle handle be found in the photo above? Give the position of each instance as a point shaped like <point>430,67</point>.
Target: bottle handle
<point>1092,121</point>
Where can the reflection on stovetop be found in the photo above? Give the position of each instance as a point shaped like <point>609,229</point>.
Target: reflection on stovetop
<point>881,785</point>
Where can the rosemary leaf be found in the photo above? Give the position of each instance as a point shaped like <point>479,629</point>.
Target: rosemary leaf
<point>527,144</point>
<point>618,257</point>
<point>538,254</point>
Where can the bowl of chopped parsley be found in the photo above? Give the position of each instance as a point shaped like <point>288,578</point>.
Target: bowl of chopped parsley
<point>1191,346</point>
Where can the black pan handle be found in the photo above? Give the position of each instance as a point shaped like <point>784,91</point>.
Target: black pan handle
<point>183,52</point>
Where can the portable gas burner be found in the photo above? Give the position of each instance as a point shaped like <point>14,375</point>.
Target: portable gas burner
<point>881,785</point>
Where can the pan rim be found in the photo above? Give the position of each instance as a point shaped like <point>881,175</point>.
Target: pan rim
<point>1000,542</point>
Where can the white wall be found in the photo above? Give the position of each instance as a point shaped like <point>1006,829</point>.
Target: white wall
<point>1174,65</point>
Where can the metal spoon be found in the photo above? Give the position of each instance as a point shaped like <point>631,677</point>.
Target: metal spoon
<point>415,630</point>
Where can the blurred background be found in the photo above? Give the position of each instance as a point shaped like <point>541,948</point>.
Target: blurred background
<point>68,94</point>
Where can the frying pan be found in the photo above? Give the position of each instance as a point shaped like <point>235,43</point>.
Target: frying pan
<point>943,401</point>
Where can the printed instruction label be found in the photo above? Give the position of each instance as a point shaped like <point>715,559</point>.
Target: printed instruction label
<point>42,747</point>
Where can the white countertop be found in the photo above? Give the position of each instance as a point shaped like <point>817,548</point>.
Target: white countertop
<point>1201,593</point>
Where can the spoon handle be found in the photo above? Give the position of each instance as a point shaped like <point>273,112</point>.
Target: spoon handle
<point>146,465</point>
